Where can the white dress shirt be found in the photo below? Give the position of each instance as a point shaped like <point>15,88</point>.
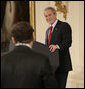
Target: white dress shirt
<point>18,44</point>
<point>53,25</point>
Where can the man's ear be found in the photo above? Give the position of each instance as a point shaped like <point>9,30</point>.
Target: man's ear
<point>13,40</point>
<point>33,36</point>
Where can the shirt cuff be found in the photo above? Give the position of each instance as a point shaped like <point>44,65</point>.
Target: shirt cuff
<point>58,46</point>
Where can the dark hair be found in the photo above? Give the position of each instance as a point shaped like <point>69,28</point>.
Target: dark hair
<point>22,32</point>
<point>50,8</point>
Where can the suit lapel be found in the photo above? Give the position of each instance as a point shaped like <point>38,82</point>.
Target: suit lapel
<point>46,40</point>
<point>56,28</point>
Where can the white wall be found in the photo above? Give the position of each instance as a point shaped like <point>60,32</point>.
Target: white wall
<point>41,24</point>
<point>75,17</point>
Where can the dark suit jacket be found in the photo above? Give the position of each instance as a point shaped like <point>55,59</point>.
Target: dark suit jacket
<point>23,68</point>
<point>62,36</point>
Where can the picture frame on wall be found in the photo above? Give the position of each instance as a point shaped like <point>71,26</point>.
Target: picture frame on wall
<point>11,13</point>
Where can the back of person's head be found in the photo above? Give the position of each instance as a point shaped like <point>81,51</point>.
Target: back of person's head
<point>22,32</point>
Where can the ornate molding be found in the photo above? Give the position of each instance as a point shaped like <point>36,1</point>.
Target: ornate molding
<point>62,7</point>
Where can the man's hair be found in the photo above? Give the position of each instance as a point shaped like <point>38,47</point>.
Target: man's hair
<point>22,32</point>
<point>50,8</point>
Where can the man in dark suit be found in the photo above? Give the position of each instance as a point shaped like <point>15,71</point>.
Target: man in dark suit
<point>59,36</point>
<point>23,68</point>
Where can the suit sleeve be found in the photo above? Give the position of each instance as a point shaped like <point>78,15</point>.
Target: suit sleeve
<point>46,74</point>
<point>46,36</point>
<point>66,35</point>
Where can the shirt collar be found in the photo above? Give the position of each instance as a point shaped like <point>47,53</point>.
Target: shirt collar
<point>18,44</point>
<point>54,24</point>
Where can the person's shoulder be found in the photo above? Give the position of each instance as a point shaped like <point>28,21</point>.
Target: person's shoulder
<point>64,23</point>
<point>40,56</point>
<point>47,29</point>
<point>3,56</point>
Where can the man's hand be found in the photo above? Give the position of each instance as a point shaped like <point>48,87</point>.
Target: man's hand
<point>53,48</point>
